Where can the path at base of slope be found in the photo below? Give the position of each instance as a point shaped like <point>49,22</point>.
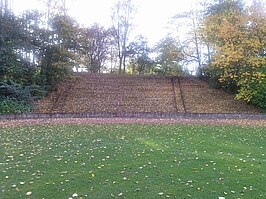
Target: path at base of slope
<point>251,122</point>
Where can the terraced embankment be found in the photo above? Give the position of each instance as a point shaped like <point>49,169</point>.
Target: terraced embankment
<point>118,93</point>
<point>199,98</point>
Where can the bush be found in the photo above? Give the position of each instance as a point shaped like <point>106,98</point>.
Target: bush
<point>213,75</point>
<point>9,106</point>
<point>214,83</point>
<point>21,92</point>
<point>259,97</point>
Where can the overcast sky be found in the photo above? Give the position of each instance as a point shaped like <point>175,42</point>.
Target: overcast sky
<point>151,18</point>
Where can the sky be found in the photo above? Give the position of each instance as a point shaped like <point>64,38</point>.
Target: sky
<point>151,19</point>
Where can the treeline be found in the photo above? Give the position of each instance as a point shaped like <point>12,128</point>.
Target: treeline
<point>33,58</point>
<point>39,49</point>
<point>227,44</point>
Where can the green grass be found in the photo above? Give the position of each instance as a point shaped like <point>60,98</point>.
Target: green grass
<point>132,161</point>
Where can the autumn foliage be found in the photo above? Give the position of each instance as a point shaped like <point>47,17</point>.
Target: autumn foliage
<point>238,38</point>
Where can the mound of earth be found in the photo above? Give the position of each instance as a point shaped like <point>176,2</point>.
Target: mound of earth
<point>131,93</point>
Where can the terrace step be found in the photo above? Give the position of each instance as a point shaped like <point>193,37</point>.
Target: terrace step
<point>124,93</point>
<point>199,98</point>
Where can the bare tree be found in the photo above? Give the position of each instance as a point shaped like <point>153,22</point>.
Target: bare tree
<point>122,23</point>
<point>55,7</point>
<point>191,45</point>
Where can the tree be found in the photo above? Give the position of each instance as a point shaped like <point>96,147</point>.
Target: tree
<point>33,58</point>
<point>238,37</point>
<point>122,23</point>
<point>57,53</point>
<point>17,69</point>
<point>12,36</point>
<point>96,45</point>
<point>169,56</point>
<point>192,48</point>
<point>53,8</point>
<point>138,52</point>
<point>5,7</point>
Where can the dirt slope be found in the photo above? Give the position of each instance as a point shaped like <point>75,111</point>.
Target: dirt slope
<point>118,93</point>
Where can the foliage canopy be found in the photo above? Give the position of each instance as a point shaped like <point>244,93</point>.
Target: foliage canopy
<point>238,37</point>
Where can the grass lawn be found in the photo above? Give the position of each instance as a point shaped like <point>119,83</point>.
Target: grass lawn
<point>132,161</point>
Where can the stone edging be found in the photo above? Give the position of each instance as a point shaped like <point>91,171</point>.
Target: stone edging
<point>134,115</point>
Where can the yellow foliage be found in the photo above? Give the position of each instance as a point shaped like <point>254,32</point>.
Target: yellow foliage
<point>239,43</point>
<point>245,94</point>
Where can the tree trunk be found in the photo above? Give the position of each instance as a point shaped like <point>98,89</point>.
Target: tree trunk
<point>64,7</point>
<point>1,7</point>
<point>120,64</point>
<point>6,7</point>
<point>124,63</point>
<point>209,53</point>
<point>48,13</point>
<point>197,48</point>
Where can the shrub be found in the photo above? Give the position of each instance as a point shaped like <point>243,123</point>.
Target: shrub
<point>21,92</point>
<point>254,93</point>
<point>9,106</point>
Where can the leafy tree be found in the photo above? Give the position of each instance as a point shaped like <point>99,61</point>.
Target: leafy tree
<point>65,31</point>
<point>13,65</point>
<point>138,51</point>
<point>96,47</point>
<point>35,53</point>
<point>238,37</point>
<point>55,65</point>
<point>17,70</point>
<point>169,56</point>
<point>57,50</point>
